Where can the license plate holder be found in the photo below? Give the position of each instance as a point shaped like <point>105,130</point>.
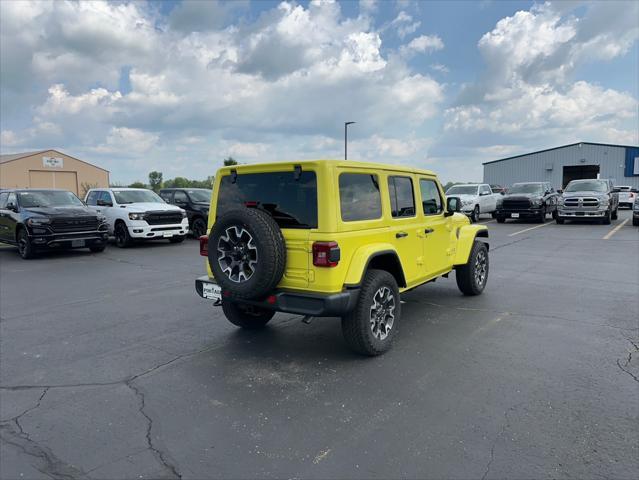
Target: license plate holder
<point>514,215</point>
<point>167,234</point>
<point>211,291</point>
<point>77,243</point>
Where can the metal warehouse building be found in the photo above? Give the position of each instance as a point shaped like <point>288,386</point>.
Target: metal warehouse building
<point>50,169</point>
<point>559,165</point>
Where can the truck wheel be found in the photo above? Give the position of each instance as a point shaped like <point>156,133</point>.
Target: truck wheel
<point>177,239</point>
<point>246,316</point>
<point>542,215</point>
<point>198,228</point>
<point>559,220</point>
<point>122,237</point>
<point>615,214</point>
<point>97,248</point>
<point>500,219</point>
<point>607,219</point>
<point>247,253</point>
<point>472,277</point>
<point>25,247</point>
<point>635,222</point>
<point>475,215</point>
<point>372,325</point>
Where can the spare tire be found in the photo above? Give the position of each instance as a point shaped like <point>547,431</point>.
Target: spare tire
<point>247,253</point>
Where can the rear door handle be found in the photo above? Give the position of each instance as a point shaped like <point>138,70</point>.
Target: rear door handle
<point>401,235</point>
<point>429,230</point>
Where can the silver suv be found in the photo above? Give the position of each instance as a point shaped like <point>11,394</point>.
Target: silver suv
<point>592,199</point>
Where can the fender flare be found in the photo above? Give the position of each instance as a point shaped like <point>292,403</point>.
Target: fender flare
<point>362,259</point>
<point>466,236</point>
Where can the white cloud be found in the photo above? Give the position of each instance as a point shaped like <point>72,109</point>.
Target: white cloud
<point>8,138</point>
<point>127,141</point>
<point>405,25</point>
<point>422,44</point>
<point>438,67</point>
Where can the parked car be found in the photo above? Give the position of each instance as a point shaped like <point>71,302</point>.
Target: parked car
<point>138,214</point>
<point>527,200</point>
<point>36,220</point>
<point>498,189</point>
<point>593,199</point>
<point>333,238</point>
<point>475,198</point>
<point>627,196</point>
<point>635,212</point>
<point>195,201</point>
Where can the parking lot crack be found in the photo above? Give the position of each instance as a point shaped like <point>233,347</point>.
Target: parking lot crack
<point>499,435</point>
<point>13,434</point>
<point>626,364</point>
<point>159,454</point>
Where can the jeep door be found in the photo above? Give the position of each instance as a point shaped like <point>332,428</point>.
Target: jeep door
<point>436,229</point>
<point>406,228</point>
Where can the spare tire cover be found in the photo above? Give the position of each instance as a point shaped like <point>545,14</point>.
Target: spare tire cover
<point>247,253</point>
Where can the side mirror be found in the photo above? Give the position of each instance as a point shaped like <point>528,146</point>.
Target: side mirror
<point>12,206</point>
<point>452,205</point>
<point>560,191</point>
<point>102,203</point>
<point>502,193</point>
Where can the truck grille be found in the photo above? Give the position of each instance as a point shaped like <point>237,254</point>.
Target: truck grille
<point>163,218</point>
<point>74,224</point>
<point>516,204</point>
<point>579,202</point>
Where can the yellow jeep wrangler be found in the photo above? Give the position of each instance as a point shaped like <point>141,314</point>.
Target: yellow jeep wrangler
<point>334,238</point>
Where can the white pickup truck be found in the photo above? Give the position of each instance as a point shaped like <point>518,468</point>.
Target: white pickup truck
<point>475,199</point>
<point>138,214</point>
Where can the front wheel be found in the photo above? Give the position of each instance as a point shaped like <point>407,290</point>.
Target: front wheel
<point>607,220</point>
<point>615,214</point>
<point>122,237</point>
<point>246,316</point>
<point>474,217</point>
<point>542,215</point>
<point>372,325</point>
<point>559,220</point>
<point>25,247</point>
<point>198,228</point>
<point>97,248</point>
<point>472,277</point>
<point>635,221</point>
<point>500,219</point>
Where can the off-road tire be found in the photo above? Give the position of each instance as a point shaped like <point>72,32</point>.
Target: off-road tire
<point>122,237</point>
<point>500,219</point>
<point>25,248</point>
<point>356,325</point>
<point>246,316</point>
<point>199,228</point>
<point>474,217</point>
<point>607,220</point>
<point>97,248</point>
<point>467,280</point>
<point>615,214</point>
<point>267,241</point>
<point>177,239</point>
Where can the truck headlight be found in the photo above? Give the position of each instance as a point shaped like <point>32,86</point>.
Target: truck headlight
<point>37,221</point>
<point>560,202</point>
<point>136,216</point>
<point>101,218</point>
<point>604,201</point>
<point>183,213</point>
<point>536,202</point>
<point>467,202</point>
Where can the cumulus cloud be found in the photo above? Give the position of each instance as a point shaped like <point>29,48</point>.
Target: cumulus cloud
<point>422,44</point>
<point>405,25</point>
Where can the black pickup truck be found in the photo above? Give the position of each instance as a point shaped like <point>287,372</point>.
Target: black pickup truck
<point>533,200</point>
<point>35,220</point>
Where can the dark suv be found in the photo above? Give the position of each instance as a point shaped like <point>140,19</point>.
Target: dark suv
<point>527,200</point>
<point>40,219</point>
<point>195,201</point>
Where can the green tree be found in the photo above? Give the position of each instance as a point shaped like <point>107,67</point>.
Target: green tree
<point>137,185</point>
<point>155,180</point>
<point>230,161</point>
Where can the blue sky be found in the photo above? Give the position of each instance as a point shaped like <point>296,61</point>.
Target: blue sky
<point>178,86</point>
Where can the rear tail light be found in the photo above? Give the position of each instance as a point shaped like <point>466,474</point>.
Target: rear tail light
<point>326,254</point>
<point>204,245</point>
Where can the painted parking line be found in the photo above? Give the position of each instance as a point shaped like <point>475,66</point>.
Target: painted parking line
<point>529,229</point>
<point>487,221</point>
<point>615,230</point>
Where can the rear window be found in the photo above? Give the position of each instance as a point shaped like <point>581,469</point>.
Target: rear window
<point>359,197</point>
<point>291,202</point>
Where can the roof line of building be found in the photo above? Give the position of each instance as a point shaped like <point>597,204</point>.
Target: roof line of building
<point>30,154</point>
<point>557,148</point>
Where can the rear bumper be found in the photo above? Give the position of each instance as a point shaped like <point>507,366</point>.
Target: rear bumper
<point>312,304</point>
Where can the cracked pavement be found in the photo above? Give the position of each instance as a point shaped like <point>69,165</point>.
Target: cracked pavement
<point>111,367</point>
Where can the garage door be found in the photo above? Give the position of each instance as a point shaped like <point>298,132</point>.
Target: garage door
<point>48,179</point>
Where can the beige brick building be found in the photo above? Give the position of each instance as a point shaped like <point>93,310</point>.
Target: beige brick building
<point>50,169</point>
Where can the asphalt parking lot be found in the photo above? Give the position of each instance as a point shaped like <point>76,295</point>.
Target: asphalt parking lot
<point>111,367</point>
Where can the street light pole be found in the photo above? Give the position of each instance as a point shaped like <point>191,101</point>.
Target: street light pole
<point>346,124</point>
